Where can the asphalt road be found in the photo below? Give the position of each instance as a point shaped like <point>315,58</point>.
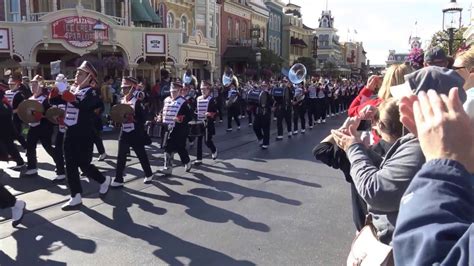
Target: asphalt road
<point>248,207</point>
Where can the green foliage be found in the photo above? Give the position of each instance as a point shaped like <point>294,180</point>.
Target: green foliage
<point>309,63</point>
<point>330,69</point>
<point>440,39</point>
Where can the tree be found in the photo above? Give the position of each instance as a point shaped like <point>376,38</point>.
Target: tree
<point>271,61</point>
<point>309,63</point>
<point>329,69</point>
<point>440,39</point>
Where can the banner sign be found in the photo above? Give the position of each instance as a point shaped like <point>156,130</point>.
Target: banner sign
<point>4,39</point>
<point>155,44</point>
<point>77,31</point>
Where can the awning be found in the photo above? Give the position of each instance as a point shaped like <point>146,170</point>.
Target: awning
<point>238,53</point>
<point>139,13</point>
<point>298,42</point>
<point>154,17</point>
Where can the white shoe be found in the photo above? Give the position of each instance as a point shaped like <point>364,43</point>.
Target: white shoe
<point>166,170</point>
<point>220,121</point>
<point>197,162</point>
<point>250,124</point>
<point>214,155</point>
<point>274,119</point>
<point>18,210</point>
<point>279,137</point>
<point>104,187</point>
<point>73,203</point>
<point>59,178</point>
<point>187,167</point>
<point>303,131</point>
<point>295,132</point>
<point>324,121</point>
<point>310,127</point>
<point>238,128</point>
<point>147,180</point>
<point>116,184</point>
<point>264,147</point>
<point>242,117</point>
<point>102,157</point>
<point>319,121</point>
<point>31,172</point>
<point>229,130</point>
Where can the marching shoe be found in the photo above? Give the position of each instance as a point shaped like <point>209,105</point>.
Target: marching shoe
<point>303,131</point>
<point>59,178</point>
<point>289,135</point>
<point>319,121</point>
<point>220,121</point>
<point>33,171</point>
<point>187,167</point>
<point>74,203</point>
<point>250,124</point>
<point>324,121</point>
<point>116,184</point>
<point>238,128</point>
<point>264,147</point>
<point>229,130</point>
<point>242,117</point>
<point>18,210</point>
<point>17,167</point>
<point>104,187</point>
<point>197,162</point>
<point>310,127</point>
<point>102,157</point>
<point>166,170</point>
<point>148,179</point>
<point>295,132</point>
<point>260,142</point>
<point>274,119</point>
<point>279,138</point>
<point>214,155</point>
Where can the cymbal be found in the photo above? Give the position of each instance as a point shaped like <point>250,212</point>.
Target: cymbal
<point>53,113</point>
<point>119,111</point>
<point>26,109</point>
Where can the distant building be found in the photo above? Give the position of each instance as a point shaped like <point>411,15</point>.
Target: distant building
<point>329,47</point>
<point>354,57</point>
<point>275,25</point>
<point>399,58</point>
<point>296,35</point>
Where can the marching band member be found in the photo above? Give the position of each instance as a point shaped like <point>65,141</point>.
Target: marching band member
<point>321,103</point>
<point>312,102</point>
<point>263,117</point>
<point>282,110</point>
<point>189,94</point>
<point>8,132</point>
<point>132,134</point>
<point>175,116</point>
<point>41,130</point>
<point>55,99</point>
<point>233,108</point>
<point>78,139</point>
<point>15,96</point>
<point>298,108</point>
<point>7,200</point>
<point>206,112</point>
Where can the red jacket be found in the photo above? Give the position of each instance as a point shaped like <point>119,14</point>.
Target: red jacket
<point>365,97</point>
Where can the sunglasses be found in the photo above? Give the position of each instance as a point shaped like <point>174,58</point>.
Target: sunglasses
<point>457,68</point>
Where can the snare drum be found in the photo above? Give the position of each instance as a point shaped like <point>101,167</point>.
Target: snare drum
<point>196,128</point>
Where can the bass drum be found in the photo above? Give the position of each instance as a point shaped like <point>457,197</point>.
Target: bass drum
<point>258,97</point>
<point>280,94</point>
<point>196,128</point>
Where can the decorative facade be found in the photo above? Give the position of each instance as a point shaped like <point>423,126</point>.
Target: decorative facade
<point>275,25</point>
<point>141,37</point>
<point>295,40</point>
<point>354,57</point>
<point>329,48</point>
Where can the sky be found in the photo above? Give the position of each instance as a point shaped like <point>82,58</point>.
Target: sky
<point>382,25</point>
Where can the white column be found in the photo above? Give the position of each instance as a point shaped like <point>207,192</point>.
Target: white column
<point>102,6</point>
<point>29,72</point>
<point>28,11</point>
<point>55,5</point>
<point>127,12</point>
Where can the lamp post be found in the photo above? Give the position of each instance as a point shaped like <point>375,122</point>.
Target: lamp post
<point>258,58</point>
<point>255,32</point>
<point>315,50</point>
<point>452,15</point>
<point>99,36</point>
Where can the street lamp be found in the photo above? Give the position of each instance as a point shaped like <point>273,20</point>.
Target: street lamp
<point>99,36</point>
<point>258,58</point>
<point>452,15</point>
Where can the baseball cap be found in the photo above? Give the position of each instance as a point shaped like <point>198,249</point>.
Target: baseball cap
<point>440,79</point>
<point>435,55</point>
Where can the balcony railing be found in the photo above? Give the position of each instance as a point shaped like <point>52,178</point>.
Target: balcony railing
<point>36,16</point>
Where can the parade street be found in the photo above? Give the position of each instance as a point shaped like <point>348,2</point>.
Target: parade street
<point>250,206</point>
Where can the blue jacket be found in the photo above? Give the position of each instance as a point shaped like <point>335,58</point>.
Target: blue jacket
<point>435,224</point>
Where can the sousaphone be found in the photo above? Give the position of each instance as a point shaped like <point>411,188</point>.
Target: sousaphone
<point>26,110</point>
<point>119,112</point>
<point>53,113</point>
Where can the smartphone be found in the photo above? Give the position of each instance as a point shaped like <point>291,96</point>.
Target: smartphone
<point>365,125</point>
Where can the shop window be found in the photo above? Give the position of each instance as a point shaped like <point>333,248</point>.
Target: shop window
<point>229,28</point>
<point>110,7</point>
<point>184,24</point>
<point>212,26</point>
<point>237,30</point>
